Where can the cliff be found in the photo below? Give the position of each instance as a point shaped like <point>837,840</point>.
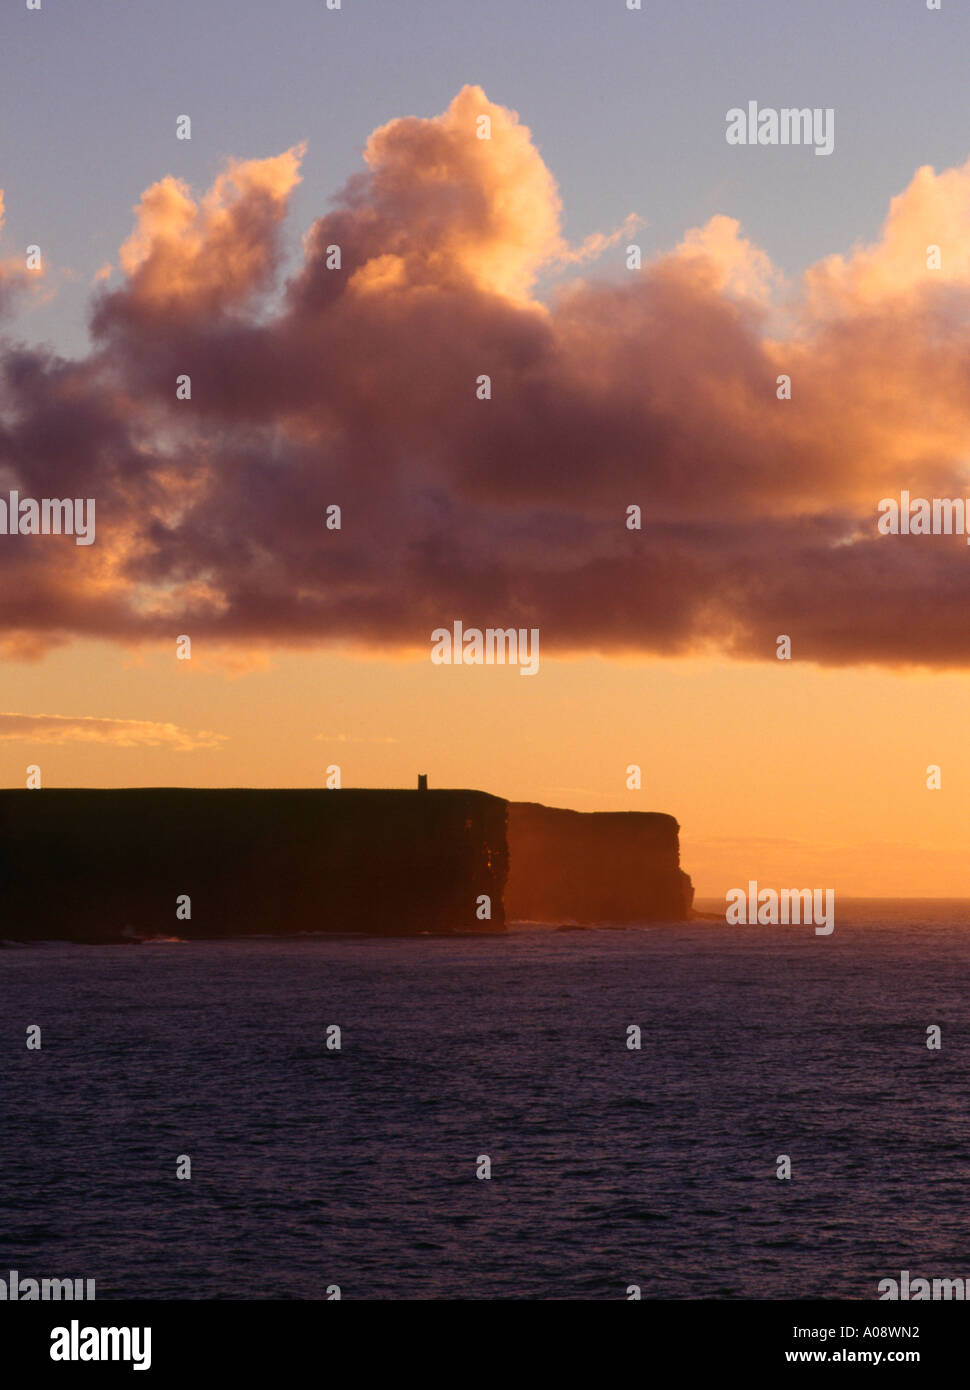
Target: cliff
<point>104,865</point>
<point>598,866</point>
<point>111,865</point>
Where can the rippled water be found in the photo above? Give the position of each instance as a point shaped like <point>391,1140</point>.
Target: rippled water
<point>610,1167</point>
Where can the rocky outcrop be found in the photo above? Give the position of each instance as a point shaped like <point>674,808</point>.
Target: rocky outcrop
<point>598,866</point>
<point>110,865</point>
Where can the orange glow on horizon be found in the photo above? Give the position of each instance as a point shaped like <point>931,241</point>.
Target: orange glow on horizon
<point>779,772</point>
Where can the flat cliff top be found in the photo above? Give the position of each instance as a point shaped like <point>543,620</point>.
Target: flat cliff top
<point>537,808</point>
<point>373,794</point>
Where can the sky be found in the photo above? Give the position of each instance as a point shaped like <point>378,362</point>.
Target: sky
<point>611,387</point>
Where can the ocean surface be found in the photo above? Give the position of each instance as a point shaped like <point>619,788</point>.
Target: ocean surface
<point>609,1166</point>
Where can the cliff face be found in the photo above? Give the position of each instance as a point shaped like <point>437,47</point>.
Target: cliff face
<point>102,865</point>
<point>599,866</point>
<point>110,865</point>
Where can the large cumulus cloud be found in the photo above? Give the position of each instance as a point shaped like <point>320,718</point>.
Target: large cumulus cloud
<point>356,386</point>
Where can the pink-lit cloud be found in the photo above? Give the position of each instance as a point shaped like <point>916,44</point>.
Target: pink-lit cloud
<point>654,387</point>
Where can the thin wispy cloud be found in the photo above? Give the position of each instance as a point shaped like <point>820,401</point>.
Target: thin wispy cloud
<point>121,733</point>
<point>349,738</point>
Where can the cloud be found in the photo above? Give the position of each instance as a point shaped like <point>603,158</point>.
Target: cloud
<point>15,278</point>
<point>719,255</point>
<point>195,259</point>
<point>121,733</point>
<point>933,211</point>
<point>449,208</point>
<point>357,386</point>
<point>349,738</point>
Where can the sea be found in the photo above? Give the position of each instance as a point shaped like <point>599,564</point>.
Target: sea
<point>546,1114</point>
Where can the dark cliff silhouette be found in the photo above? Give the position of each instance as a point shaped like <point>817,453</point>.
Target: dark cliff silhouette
<point>98,865</point>
<point>597,866</point>
<point>93,865</point>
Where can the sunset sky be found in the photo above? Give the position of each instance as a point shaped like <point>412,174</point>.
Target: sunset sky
<point>610,387</point>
